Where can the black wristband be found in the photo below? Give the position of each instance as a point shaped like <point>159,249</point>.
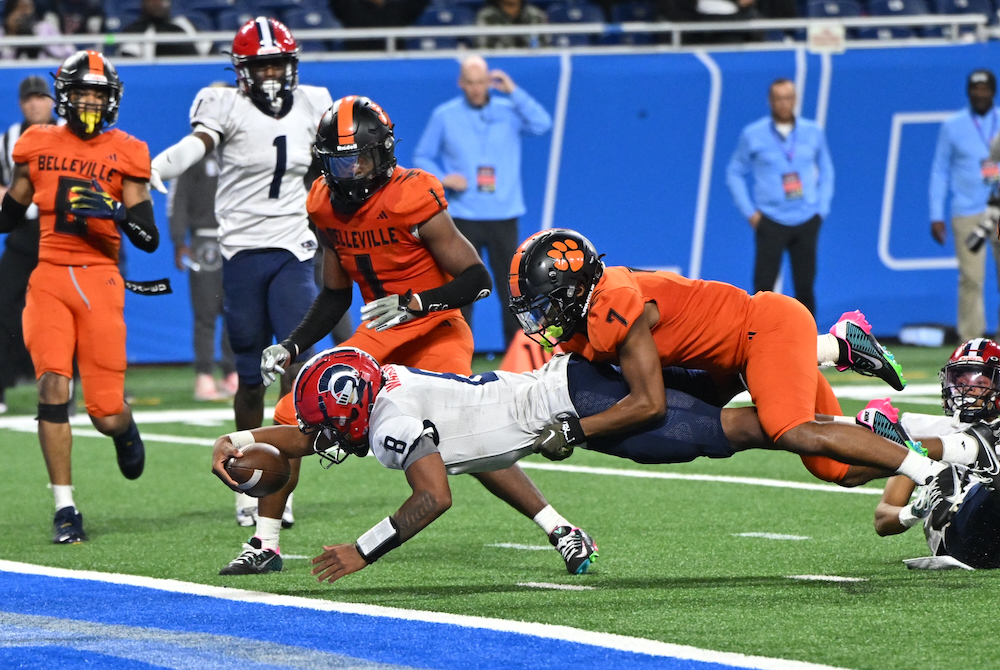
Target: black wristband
<point>327,309</point>
<point>11,213</point>
<point>140,226</point>
<point>571,429</point>
<point>473,284</point>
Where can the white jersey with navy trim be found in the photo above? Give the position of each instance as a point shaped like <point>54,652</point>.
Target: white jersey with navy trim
<point>484,422</point>
<point>261,199</point>
<point>923,426</point>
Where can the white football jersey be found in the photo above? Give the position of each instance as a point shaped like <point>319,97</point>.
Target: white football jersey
<point>923,426</point>
<point>484,422</point>
<point>261,199</point>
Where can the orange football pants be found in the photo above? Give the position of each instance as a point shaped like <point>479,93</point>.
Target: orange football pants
<point>782,376</point>
<point>439,342</point>
<point>79,309</point>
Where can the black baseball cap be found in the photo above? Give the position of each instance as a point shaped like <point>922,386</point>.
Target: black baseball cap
<point>983,76</point>
<point>33,85</point>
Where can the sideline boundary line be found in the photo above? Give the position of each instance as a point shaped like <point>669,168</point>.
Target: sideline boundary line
<point>548,631</point>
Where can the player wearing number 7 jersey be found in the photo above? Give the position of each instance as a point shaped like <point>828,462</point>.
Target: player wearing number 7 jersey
<point>90,186</point>
<point>263,130</point>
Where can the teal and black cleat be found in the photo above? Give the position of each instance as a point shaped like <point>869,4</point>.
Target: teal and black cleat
<point>578,549</point>
<point>861,352</point>
<point>254,560</point>
<point>883,420</point>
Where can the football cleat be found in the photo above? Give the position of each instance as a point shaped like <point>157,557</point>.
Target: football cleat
<point>254,560</point>
<point>67,527</point>
<point>883,420</point>
<point>861,352</point>
<point>131,452</point>
<point>949,483</point>
<point>986,465</point>
<point>577,548</point>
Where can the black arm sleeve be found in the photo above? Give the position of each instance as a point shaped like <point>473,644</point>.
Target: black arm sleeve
<point>139,227</point>
<point>11,213</point>
<point>326,310</point>
<point>472,285</point>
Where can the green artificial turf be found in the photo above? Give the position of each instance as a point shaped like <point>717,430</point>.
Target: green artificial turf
<point>671,565</point>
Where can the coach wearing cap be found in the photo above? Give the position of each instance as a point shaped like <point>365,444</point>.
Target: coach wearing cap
<point>21,249</point>
<point>964,170</point>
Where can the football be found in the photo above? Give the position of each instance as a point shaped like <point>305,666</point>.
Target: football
<point>261,471</point>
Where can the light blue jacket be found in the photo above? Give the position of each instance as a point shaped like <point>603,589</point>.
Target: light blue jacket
<point>763,151</point>
<point>961,148</point>
<point>460,138</point>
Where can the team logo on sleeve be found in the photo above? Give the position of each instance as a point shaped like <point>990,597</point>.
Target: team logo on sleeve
<point>567,255</point>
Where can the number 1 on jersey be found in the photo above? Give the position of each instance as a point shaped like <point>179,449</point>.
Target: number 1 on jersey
<point>281,145</point>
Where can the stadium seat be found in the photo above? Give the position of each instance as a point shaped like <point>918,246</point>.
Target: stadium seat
<point>893,8</point>
<point>211,6</point>
<point>202,22</point>
<point>822,9</point>
<point>574,12</point>
<point>967,7</point>
<point>314,19</point>
<point>230,20</point>
<point>630,10</point>
<point>116,21</point>
<point>441,16</point>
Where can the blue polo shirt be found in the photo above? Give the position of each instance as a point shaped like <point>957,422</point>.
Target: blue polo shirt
<point>963,144</point>
<point>484,145</point>
<point>773,159</point>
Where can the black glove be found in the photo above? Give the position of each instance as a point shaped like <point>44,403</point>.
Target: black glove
<point>557,440</point>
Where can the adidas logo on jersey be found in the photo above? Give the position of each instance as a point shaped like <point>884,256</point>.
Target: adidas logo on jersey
<point>112,157</point>
<point>382,215</point>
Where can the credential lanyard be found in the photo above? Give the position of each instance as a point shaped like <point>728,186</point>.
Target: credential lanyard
<point>993,127</point>
<point>787,144</point>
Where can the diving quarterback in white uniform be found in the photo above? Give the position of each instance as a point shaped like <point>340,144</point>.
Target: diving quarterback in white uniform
<point>264,130</point>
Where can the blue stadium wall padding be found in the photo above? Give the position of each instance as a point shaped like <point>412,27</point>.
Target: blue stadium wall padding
<point>633,151</point>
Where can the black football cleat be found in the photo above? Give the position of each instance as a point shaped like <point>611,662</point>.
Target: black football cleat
<point>578,549</point>
<point>131,452</point>
<point>67,527</point>
<point>254,560</point>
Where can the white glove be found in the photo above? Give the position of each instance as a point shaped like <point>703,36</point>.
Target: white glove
<point>155,182</point>
<point>389,311</point>
<point>272,362</point>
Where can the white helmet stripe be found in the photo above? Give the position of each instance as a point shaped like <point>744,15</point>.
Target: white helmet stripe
<point>264,32</point>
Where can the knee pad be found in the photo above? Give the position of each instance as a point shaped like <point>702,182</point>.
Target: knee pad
<point>53,413</point>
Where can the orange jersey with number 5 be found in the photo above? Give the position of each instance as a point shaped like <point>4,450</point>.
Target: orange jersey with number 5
<point>702,323</point>
<point>57,161</point>
<point>379,245</point>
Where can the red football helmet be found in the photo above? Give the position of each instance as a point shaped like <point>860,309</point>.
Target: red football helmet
<point>334,393</point>
<point>261,42</point>
<point>970,382</point>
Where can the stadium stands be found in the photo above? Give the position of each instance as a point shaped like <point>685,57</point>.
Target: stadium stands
<point>456,15</point>
<point>574,12</point>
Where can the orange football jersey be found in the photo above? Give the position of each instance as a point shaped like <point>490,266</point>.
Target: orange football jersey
<point>59,160</point>
<point>702,323</point>
<point>376,244</point>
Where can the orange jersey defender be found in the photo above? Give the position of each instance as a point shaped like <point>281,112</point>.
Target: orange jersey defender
<point>59,160</point>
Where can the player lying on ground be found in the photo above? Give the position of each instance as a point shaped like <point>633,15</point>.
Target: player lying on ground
<point>431,425</point>
<point>961,513</point>
<point>642,321</point>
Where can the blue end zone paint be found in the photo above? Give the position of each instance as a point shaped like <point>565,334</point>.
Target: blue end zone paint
<point>379,639</point>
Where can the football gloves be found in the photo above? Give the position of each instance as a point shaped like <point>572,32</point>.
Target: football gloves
<point>557,440</point>
<point>390,311</point>
<point>155,181</point>
<point>95,203</point>
<point>273,361</point>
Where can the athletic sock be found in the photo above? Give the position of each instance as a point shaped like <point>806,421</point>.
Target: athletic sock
<point>63,496</point>
<point>268,531</point>
<point>828,350</point>
<point>959,448</point>
<point>920,468</point>
<point>549,519</point>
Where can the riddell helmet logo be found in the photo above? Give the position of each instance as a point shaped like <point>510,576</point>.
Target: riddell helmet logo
<point>567,255</point>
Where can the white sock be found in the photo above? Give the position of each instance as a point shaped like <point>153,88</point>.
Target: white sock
<point>827,349</point>
<point>244,501</point>
<point>844,419</point>
<point>959,448</point>
<point>288,503</point>
<point>268,531</point>
<point>920,468</point>
<point>63,496</point>
<point>549,519</point>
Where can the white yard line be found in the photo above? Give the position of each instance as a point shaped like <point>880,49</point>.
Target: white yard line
<point>556,587</point>
<point>826,578</point>
<point>772,536</point>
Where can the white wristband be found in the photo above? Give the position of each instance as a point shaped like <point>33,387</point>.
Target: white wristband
<point>379,540</point>
<point>906,517</point>
<point>241,438</point>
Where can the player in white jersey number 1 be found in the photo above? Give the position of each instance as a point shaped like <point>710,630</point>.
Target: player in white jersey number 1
<point>264,130</point>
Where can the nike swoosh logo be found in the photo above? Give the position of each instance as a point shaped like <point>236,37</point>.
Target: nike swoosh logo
<point>874,362</point>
